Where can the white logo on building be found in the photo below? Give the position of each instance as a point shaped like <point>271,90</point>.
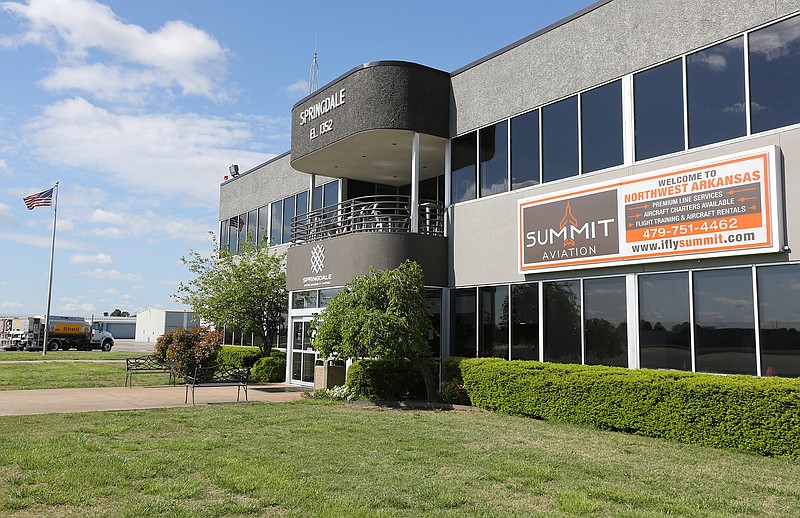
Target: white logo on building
<point>317,259</point>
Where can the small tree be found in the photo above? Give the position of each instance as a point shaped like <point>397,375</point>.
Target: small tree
<point>245,291</point>
<point>384,314</point>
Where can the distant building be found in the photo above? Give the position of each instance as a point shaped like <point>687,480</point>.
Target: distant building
<point>154,322</point>
<point>120,327</point>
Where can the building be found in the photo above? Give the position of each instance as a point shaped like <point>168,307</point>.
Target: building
<point>120,327</point>
<point>154,322</point>
<point>614,189</point>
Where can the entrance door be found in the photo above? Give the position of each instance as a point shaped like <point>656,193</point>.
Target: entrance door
<point>303,355</point>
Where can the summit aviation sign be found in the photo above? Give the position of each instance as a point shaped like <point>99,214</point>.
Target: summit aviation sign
<point>704,209</point>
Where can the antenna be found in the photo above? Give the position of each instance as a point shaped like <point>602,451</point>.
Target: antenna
<point>313,76</point>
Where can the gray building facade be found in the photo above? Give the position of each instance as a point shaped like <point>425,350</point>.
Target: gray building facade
<point>615,189</point>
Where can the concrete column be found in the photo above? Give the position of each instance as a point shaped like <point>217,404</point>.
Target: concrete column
<point>415,184</point>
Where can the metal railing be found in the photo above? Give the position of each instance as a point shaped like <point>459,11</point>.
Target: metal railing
<point>380,213</point>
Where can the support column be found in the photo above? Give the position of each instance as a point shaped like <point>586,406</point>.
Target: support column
<point>311,185</point>
<point>415,184</point>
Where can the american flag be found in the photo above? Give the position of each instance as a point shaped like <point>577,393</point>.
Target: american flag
<point>40,199</point>
<point>237,222</point>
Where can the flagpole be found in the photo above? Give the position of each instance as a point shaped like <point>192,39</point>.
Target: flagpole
<point>50,282</point>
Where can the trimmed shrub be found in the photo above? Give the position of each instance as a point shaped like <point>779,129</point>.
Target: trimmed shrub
<point>271,369</point>
<point>238,355</point>
<point>451,369</point>
<point>385,380</point>
<point>189,348</point>
<point>745,412</point>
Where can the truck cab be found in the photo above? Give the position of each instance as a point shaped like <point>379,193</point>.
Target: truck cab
<point>101,337</point>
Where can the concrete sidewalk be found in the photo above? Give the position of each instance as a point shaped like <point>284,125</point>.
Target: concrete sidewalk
<point>26,402</point>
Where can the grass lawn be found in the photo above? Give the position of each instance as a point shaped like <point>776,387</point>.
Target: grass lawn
<point>67,374</point>
<point>6,356</point>
<point>312,459</point>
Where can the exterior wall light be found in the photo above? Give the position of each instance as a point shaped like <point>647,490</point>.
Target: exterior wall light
<point>234,170</point>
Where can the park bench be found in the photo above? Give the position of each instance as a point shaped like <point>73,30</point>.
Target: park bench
<point>147,365</point>
<point>218,376</point>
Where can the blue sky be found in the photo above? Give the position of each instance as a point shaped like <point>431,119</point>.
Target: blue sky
<point>138,107</point>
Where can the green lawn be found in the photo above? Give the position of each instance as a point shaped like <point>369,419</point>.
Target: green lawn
<point>67,374</point>
<point>6,356</point>
<point>311,459</point>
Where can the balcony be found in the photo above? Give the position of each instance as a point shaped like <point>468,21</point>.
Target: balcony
<point>380,213</point>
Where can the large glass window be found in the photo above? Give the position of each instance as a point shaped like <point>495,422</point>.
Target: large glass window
<point>435,333</point>
<point>525,321</point>
<point>724,321</point>
<point>233,227</point>
<point>276,230</point>
<point>252,225</point>
<point>601,127</point>
<point>525,150</point>
<point>560,139</point>
<point>774,70</point>
<point>562,321</point>
<point>331,194</point>
<point>288,214</point>
<point>463,321</point>
<point>779,318</point>
<point>263,225</point>
<point>715,93</point>
<point>304,299</point>
<point>658,110</point>
<point>223,234</point>
<point>605,322</point>
<point>494,321</point>
<point>326,295</point>
<point>462,164</point>
<point>493,158</point>
<point>242,231</point>
<point>664,338</point>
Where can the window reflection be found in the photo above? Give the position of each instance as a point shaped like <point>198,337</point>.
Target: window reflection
<point>494,159</point>
<point>525,150</point>
<point>724,321</point>
<point>664,338</point>
<point>715,93</point>
<point>560,139</point>
<point>774,67</point>
<point>494,321</point>
<point>658,110</point>
<point>562,322</point>
<point>601,127</point>
<point>525,321</point>
<point>463,322</point>
<point>462,165</point>
<point>435,334</point>
<point>605,321</point>
<point>276,228</point>
<point>779,317</point>
<point>263,225</point>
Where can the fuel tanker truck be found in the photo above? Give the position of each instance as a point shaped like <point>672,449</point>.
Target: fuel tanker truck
<point>27,333</point>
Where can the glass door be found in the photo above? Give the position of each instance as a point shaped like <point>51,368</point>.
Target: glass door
<point>303,354</point>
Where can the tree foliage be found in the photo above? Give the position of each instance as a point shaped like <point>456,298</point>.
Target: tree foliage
<point>383,314</point>
<point>245,291</point>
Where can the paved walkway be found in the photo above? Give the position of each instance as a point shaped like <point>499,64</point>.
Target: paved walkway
<point>26,402</point>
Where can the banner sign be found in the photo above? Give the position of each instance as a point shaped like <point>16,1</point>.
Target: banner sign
<point>704,209</point>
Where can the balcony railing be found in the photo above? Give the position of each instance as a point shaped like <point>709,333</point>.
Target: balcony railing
<point>381,213</point>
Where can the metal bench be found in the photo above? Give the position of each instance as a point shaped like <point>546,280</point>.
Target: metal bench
<point>218,376</point>
<point>147,365</point>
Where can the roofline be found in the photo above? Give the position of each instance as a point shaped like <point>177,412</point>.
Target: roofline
<point>259,166</point>
<point>382,63</point>
<point>536,34</point>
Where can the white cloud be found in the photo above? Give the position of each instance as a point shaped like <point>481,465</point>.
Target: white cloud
<point>6,216</point>
<point>11,304</point>
<point>108,233</point>
<point>173,155</point>
<point>298,89</point>
<point>115,275</point>
<point>4,167</point>
<point>109,291</point>
<point>96,258</point>
<point>104,216</point>
<point>41,241</point>
<point>176,55</point>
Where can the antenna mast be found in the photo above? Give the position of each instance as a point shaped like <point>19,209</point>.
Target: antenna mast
<point>313,76</point>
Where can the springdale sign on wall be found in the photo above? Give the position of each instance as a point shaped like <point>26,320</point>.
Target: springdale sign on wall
<point>704,209</point>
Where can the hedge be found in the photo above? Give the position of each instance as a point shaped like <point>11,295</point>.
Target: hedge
<point>744,412</point>
<point>239,355</point>
<point>385,380</point>
<point>270,369</point>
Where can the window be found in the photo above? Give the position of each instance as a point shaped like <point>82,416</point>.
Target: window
<point>779,317</point>
<point>601,127</point>
<point>263,226</point>
<point>664,339</point>
<point>774,67</point>
<point>331,194</point>
<point>525,150</point>
<point>724,321</point>
<point>223,234</point>
<point>715,93</point>
<point>242,231</point>
<point>525,321</point>
<point>252,225</point>
<point>493,142</point>
<point>326,295</point>
<point>462,164</point>
<point>288,214</point>
<point>494,322</point>
<point>304,299</point>
<point>562,321</point>
<point>463,322</point>
<point>605,322</point>
<point>276,229</point>
<point>435,333</point>
<point>560,139</point>
<point>658,110</point>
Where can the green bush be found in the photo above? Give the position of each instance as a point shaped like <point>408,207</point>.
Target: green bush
<point>451,369</point>
<point>385,380</point>
<point>188,348</point>
<point>271,369</point>
<point>756,414</point>
<point>239,356</point>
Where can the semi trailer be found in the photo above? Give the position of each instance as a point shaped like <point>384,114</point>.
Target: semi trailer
<point>27,333</point>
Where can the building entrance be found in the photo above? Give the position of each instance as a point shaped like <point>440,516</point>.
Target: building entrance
<point>302,354</point>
